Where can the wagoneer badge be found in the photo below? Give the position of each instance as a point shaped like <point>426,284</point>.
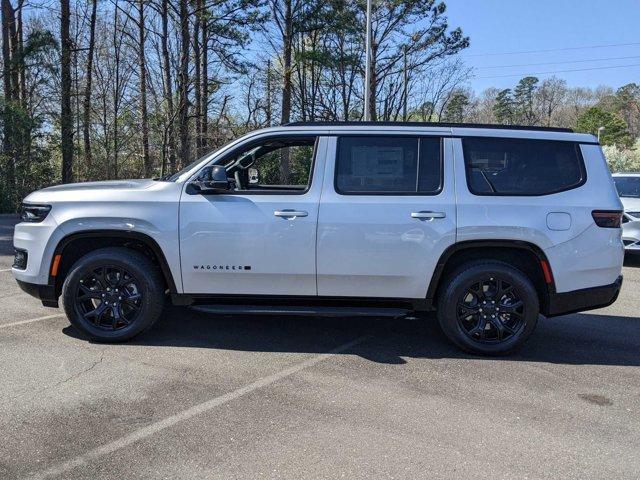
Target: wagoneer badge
<point>224,268</point>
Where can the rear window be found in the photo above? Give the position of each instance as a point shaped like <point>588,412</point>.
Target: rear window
<point>505,166</point>
<point>388,165</point>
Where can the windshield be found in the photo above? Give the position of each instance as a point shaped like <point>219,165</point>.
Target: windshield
<point>172,177</point>
<point>628,186</point>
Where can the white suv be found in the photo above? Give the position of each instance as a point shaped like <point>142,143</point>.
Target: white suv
<point>488,226</point>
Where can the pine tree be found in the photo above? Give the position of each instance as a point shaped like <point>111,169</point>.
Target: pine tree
<point>524,97</point>
<point>503,108</point>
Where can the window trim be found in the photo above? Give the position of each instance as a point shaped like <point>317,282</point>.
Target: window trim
<point>437,192</point>
<point>258,141</point>
<point>467,169</point>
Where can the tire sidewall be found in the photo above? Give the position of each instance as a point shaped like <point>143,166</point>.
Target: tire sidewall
<point>458,285</point>
<point>146,279</point>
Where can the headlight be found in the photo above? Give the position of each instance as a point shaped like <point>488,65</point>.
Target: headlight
<point>633,214</point>
<point>34,213</point>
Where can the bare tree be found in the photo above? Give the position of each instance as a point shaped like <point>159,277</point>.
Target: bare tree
<point>86,124</point>
<point>142,65</point>
<point>66,120</point>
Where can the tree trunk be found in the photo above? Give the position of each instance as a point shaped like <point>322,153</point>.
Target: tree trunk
<point>204,73</point>
<point>287,40</point>
<point>8,138</point>
<point>20,54</point>
<point>146,159</point>
<point>374,82</point>
<point>268,110</point>
<point>197,80</point>
<point>183,107</point>
<point>66,120</point>
<point>86,123</point>
<point>168,85</point>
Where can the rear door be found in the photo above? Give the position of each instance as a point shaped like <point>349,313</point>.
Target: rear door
<point>386,216</point>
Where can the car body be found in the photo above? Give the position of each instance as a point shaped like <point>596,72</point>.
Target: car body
<point>367,214</point>
<point>628,186</point>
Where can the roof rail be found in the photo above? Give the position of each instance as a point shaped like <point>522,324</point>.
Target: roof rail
<point>425,124</point>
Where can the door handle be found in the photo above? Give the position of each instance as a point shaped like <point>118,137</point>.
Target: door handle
<point>428,215</point>
<point>290,213</point>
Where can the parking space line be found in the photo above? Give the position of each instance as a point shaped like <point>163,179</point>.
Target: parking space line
<point>160,425</point>
<point>5,269</point>
<point>31,320</point>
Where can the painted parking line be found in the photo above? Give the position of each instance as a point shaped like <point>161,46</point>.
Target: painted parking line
<point>5,269</point>
<point>31,320</point>
<point>160,425</point>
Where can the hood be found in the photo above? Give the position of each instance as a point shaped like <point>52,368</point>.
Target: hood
<point>98,191</point>
<point>106,185</point>
<point>630,204</point>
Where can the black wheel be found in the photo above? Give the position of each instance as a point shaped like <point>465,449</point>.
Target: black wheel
<point>113,294</point>
<point>488,307</point>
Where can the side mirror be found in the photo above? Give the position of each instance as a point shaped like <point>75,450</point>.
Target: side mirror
<point>212,179</point>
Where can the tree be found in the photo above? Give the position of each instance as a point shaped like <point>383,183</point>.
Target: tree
<point>183,84</point>
<point>142,72</point>
<point>8,145</point>
<point>504,107</point>
<point>623,159</point>
<point>169,141</point>
<point>417,28</point>
<point>615,132</point>
<point>550,97</point>
<point>627,103</point>
<point>86,124</point>
<point>524,97</point>
<point>66,119</point>
<point>456,107</point>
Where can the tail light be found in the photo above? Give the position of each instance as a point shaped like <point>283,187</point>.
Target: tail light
<point>607,218</point>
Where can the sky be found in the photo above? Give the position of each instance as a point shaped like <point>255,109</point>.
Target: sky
<point>595,34</point>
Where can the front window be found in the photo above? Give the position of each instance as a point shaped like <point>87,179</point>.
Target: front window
<point>277,164</point>
<point>628,187</point>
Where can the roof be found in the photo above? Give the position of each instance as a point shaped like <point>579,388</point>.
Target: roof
<point>427,124</point>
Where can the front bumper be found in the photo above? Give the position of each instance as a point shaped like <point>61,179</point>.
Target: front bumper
<point>585,299</point>
<point>44,293</point>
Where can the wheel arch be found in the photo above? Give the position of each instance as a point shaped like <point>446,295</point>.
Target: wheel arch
<point>526,256</point>
<point>73,246</point>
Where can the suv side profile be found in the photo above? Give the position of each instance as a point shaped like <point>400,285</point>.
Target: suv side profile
<point>488,226</point>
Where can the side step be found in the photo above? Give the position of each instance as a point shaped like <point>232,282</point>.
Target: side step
<point>301,310</point>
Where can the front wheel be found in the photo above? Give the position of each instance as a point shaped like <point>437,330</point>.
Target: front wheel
<point>113,294</point>
<point>488,308</point>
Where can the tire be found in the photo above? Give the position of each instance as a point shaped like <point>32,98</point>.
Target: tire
<point>469,319</point>
<point>113,294</point>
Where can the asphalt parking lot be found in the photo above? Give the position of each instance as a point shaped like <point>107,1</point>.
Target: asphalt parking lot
<point>204,396</point>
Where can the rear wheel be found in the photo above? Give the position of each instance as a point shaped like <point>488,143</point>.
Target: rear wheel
<point>488,307</point>
<point>113,294</point>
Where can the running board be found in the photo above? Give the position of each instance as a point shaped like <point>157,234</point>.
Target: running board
<point>299,310</point>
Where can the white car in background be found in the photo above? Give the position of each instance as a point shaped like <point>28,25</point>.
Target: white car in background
<point>628,186</point>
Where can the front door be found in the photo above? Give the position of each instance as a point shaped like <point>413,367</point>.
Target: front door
<point>259,238</point>
<point>387,214</point>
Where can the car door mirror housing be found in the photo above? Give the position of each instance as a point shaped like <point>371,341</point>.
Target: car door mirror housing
<point>212,179</point>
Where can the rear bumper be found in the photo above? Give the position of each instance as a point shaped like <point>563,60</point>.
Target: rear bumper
<point>44,293</point>
<point>585,299</point>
